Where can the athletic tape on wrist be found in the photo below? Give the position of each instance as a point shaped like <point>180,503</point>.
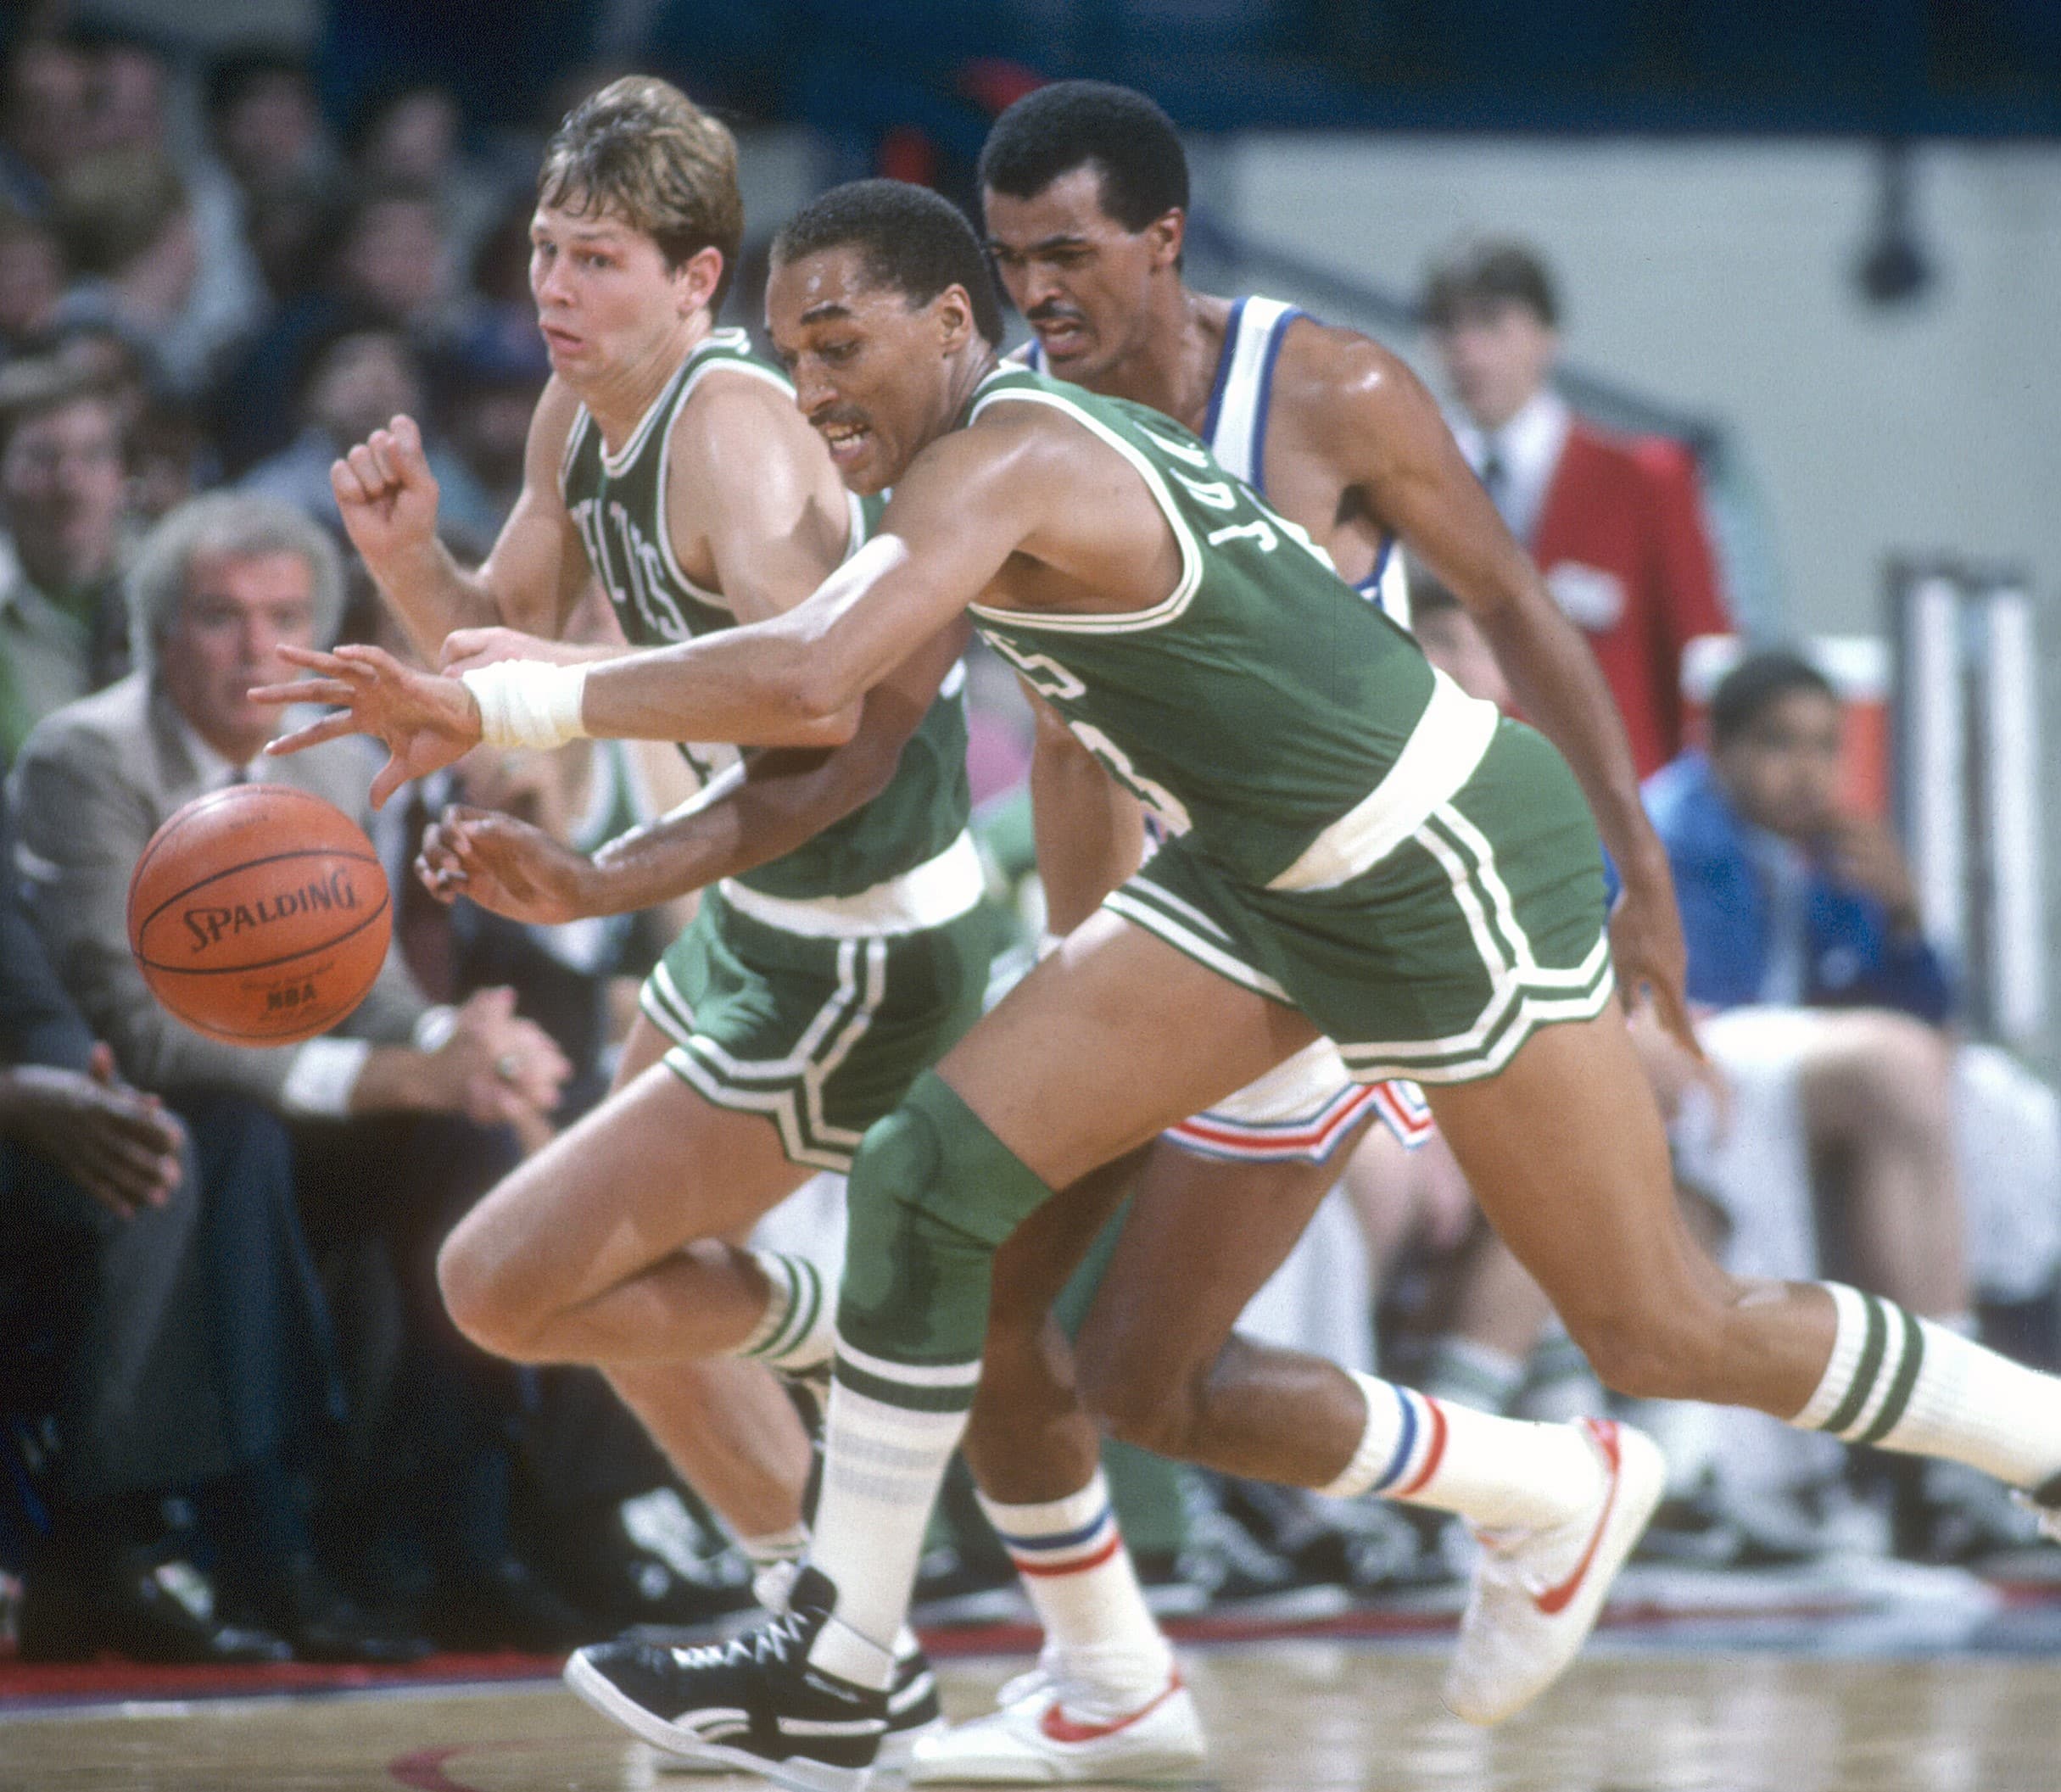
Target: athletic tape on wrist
<point>528,702</point>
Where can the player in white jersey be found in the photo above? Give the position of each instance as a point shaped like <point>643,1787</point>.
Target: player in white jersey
<point>1085,189</point>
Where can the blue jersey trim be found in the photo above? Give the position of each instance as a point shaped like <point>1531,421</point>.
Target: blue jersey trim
<point>1369,586</point>
<point>1225,356</point>
<point>1266,396</point>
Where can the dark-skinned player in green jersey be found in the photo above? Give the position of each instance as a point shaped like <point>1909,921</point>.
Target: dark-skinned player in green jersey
<point>1356,851</point>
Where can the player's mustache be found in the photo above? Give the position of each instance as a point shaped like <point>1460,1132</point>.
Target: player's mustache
<point>841,414</point>
<point>1050,313</point>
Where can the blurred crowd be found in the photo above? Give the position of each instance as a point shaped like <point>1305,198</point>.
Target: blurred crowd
<point>236,1423</point>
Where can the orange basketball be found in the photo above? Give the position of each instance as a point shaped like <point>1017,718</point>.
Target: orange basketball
<point>259,914</point>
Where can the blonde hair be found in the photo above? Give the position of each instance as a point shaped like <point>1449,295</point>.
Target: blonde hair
<point>641,151</point>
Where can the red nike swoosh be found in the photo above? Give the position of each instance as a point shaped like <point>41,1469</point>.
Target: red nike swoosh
<point>1554,1600</point>
<point>1059,1727</point>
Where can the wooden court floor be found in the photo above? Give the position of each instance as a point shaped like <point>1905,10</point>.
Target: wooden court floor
<point>1284,1716</point>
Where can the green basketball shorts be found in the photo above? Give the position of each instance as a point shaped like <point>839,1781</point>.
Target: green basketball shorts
<point>820,1031</point>
<point>1440,960</point>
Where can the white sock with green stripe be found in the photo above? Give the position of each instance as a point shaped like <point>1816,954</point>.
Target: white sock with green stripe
<point>1905,1383</point>
<point>799,1330</point>
<point>890,1431</point>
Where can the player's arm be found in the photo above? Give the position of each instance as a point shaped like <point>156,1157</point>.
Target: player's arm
<point>1387,431</point>
<point>1090,830</point>
<point>965,504</point>
<point>387,496</point>
<point>776,800</point>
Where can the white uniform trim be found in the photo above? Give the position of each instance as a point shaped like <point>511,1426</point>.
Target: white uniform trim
<point>700,366</point>
<point>1239,438</point>
<point>1124,621</point>
<point>1141,904</point>
<point>938,890</point>
<point>1440,756</point>
<point>1517,978</point>
<point>614,464</point>
<point>838,1026</point>
<point>912,1375</point>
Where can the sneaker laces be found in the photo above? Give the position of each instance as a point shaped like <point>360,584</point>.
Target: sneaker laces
<point>768,1644</point>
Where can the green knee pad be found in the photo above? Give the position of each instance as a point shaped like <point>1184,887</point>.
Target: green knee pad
<point>932,1193</point>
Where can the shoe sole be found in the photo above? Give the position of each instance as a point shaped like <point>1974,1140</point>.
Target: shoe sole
<point>1642,1481</point>
<point>596,1689</point>
<point>898,1750</point>
<point>1122,1758</point>
<point>1167,1771</point>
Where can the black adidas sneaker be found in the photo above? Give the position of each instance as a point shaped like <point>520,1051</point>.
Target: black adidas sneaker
<point>754,1703</point>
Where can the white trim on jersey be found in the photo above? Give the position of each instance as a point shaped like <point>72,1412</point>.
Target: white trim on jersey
<point>700,364</point>
<point>1439,756</point>
<point>1170,606</point>
<point>1237,426</point>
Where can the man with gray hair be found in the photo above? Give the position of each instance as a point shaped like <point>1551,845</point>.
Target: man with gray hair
<point>402,1098</point>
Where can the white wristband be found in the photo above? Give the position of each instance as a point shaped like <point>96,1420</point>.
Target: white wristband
<point>528,702</point>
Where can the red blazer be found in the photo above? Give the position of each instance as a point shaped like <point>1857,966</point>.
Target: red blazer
<point>1622,543</point>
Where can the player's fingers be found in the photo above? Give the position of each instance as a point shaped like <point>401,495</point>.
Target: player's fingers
<point>336,665</point>
<point>379,445</point>
<point>1674,1018</point>
<point>365,464</point>
<point>405,450</point>
<point>330,728</point>
<point>344,481</point>
<point>443,876</point>
<point>392,776</point>
<point>362,660</point>
<point>305,690</point>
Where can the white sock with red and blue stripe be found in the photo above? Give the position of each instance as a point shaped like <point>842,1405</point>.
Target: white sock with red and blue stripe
<point>1494,1472</point>
<point>1100,1636</point>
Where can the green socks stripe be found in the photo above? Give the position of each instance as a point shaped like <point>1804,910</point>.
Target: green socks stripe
<point>1878,1354</point>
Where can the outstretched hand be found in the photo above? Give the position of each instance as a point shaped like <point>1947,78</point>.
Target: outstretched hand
<point>503,864</point>
<point>426,721</point>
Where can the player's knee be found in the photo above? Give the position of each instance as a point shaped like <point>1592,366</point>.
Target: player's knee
<point>502,1297</point>
<point>474,1293</point>
<point>933,1194</point>
<point>1145,1418</point>
<point>1133,1401</point>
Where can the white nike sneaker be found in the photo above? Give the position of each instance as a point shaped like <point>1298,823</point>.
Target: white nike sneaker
<point>1031,1740</point>
<point>1539,1590</point>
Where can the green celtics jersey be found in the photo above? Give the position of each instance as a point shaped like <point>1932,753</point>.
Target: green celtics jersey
<point>617,502</point>
<point>1260,701</point>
